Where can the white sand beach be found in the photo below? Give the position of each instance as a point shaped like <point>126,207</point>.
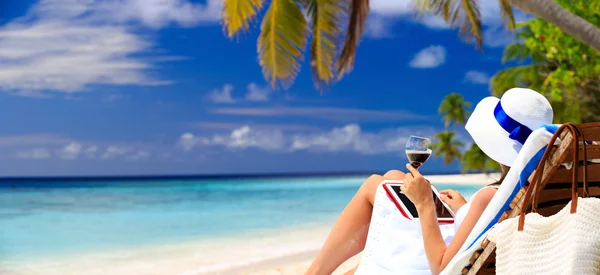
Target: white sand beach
<point>277,251</point>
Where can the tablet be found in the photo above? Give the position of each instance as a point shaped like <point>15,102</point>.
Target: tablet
<point>408,209</point>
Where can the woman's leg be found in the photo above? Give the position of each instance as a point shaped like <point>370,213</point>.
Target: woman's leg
<point>349,233</point>
<point>351,272</point>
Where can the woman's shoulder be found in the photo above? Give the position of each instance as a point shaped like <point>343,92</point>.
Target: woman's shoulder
<point>487,188</point>
<point>484,195</point>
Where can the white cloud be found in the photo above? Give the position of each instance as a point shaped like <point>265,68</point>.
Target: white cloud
<point>384,13</point>
<point>477,77</point>
<point>225,94</point>
<point>394,10</point>
<point>258,93</point>
<point>158,13</point>
<point>115,151</point>
<point>353,139</point>
<point>70,151</point>
<point>245,137</point>
<point>91,151</point>
<point>391,7</point>
<point>232,125</point>
<point>241,138</point>
<point>49,146</point>
<point>187,141</point>
<point>140,155</point>
<point>378,27</point>
<point>405,9</point>
<point>349,138</point>
<point>36,153</point>
<point>149,13</point>
<point>67,45</point>
<point>430,57</point>
<point>324,113</point>
<point>222,95</point>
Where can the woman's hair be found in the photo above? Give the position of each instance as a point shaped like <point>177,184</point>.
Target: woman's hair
<point>503,175</point>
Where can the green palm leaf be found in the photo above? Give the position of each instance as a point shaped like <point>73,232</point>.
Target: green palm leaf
<point>520,76</point>
<point>325,15</point>
<point>520,52</point>
<point>508,17</point>
<point>454,109</point>
<point>358,12</point>
<point>280,45</point>
<point>458,13</point>
<point>476,160</point>
<point>516,51</point>
<point>447,146</point>
<point>237,14</point>
<point>466,15</point>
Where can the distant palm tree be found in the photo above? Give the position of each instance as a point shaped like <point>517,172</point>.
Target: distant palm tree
<point>285,30</point>
<point>454,109</point>
<point>477,161</point>
<point>446,145</point>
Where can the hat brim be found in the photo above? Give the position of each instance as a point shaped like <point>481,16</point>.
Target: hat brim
<point>493,140</point>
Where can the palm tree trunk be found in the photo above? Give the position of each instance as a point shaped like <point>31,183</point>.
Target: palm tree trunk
<point>568,22</point>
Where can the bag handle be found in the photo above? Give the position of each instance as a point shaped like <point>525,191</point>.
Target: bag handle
<point>575,174</point>
<point>577,133</point>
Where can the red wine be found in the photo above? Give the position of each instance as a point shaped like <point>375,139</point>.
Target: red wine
<point>417,158</point>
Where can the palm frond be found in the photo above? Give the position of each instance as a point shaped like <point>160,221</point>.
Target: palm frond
<point>447,146</point>
<point>282,40</point>
<point>516,51</point>
<point>453,109</point>
<point>508,18</point>
<point>476,160</point>
<point>471,26</point>
<point>237,14</point>
<point>358,12</point>
<point>458,13</point>
<point>325,15</point>
<point>520,76</point>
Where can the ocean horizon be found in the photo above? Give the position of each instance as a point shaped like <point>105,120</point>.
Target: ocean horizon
<point>42,181</point>
<point>207,176</point>
<point>51,220</point>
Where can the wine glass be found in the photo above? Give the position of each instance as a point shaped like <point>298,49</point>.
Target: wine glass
<point>418,150</point>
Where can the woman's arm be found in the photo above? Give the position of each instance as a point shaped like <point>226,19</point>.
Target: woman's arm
<point>438,254</point>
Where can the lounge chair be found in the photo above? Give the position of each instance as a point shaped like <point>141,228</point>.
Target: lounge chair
<point>477,256</point>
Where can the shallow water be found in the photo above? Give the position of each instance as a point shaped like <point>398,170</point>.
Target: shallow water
<point>57,218</point>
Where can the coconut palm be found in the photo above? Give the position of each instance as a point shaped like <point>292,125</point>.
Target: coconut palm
<point>337,26</point>
<point>445,144</point>
<point>285,30</point>
<point>454,109</point>
<point>476,160</point>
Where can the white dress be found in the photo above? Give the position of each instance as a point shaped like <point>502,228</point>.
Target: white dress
<point>395,244</point>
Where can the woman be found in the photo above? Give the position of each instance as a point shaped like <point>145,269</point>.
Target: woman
<point>499,127</point>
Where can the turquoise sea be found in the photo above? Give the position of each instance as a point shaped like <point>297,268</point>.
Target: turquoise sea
<point>46,218</point>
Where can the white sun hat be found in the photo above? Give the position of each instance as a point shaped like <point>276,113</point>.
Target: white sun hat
<point>500,126</point>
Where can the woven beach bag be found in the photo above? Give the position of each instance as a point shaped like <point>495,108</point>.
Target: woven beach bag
<point>566,243</point>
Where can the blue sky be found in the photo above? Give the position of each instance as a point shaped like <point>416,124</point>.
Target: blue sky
<point>154,87</point>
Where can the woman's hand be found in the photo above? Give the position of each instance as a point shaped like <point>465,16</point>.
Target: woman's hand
<point>417,188</point>
<point>453,199</point>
